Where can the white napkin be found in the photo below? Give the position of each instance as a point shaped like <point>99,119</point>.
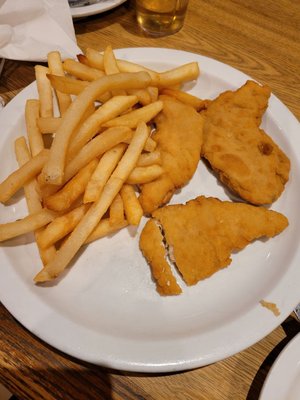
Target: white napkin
<point>29,29</point>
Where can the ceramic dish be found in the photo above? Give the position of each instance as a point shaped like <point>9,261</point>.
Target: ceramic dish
<point>283,380</point>
<point>106,310</point>
<point>96,8</point>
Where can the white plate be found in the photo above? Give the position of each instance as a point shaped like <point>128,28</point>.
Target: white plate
<point>106,310</point>
<point>97,8</point>
<point>283,380</point>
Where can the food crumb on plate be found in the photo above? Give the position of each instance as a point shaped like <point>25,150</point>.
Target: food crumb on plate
<point>270,306</point>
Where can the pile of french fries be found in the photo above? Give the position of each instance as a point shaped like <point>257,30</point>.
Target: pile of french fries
<point>80,166</point>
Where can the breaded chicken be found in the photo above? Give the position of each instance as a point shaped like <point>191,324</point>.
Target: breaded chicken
<point>179,140</point>
<point>151,242</point>
<point>246,159</point>
<point>202,234</point>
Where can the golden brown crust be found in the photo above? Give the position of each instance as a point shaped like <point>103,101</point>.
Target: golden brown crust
<point>204,232</point>
<point>247,160</point>
<point>151,244</point>
<point>179,139</point>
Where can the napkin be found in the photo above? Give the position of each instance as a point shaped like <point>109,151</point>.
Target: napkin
<point>29,29</point>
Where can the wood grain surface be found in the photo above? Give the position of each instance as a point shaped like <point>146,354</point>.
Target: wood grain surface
<point>260,38</point>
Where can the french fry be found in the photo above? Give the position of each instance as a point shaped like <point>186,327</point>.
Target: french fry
<point>153,93</point>
<point>131,119</point>
<point>111,67</point>
<point>53,171</point>
<point>27,224</point>
<point>144,174</point>
<point>44,91</point>
<point>104,169</point>
<point>82,59</point>
<point>47,190</point>
<point>32,197</point>
<point>150,144</point>
<point>109,61</point>
<point>49,124</point>
<point>104,228</point>
<point>175,76</point>
<point>116,211</point>
<point>81,71</point>
<point>31,189</point>
<point>186,98</point>
<point>113,107</point>
<point>61,226</point>
<point>91,219</point>
<point>95,148</point>
<point>56,67</point>
<point>97,153</point>
<point>179,75</point>
<point>20,176</point>
<point>36,142</point>
<point>96,60</point>
<point>149,158</point>
<point>132,207</point>
<point>144,97</point>
<point>68,85</point>
<point>64,198</point>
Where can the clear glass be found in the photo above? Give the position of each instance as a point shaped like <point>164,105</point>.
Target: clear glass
<point>161,17</point>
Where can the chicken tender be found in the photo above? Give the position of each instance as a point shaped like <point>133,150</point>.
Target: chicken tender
<point>202,234</point>
<point>179,140</point>
<point>151,241</point>
<point>246,159</point>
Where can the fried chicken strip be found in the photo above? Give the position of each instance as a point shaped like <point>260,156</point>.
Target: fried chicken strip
<point>245,157</point>
<point>202,235</point>
<point>179,140</point>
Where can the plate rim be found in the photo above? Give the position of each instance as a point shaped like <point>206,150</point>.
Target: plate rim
<point>183,364</point>
<point>274,387</point>
<point>93,9</point>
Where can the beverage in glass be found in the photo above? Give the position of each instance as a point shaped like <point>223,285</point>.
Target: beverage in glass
<point>161,17</point>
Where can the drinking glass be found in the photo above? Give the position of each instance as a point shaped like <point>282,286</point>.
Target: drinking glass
<point>161,17</point>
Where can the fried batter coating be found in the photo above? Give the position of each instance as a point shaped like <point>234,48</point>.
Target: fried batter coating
<point>151,242</point>
<point>179,140</point>
<point>246,159</point>
<point>204,232</point>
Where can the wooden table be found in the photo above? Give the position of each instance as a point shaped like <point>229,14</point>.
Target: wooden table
<point>260,38</point>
